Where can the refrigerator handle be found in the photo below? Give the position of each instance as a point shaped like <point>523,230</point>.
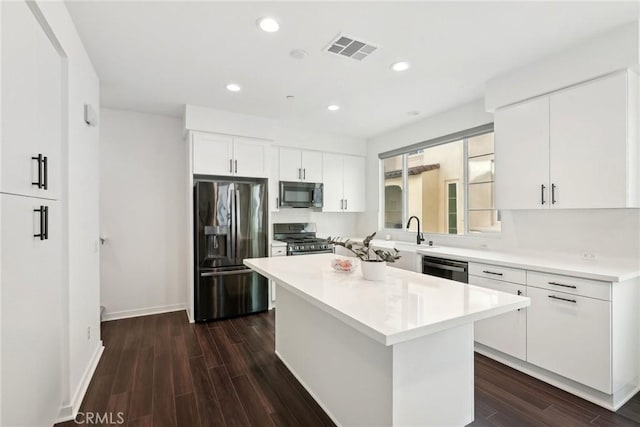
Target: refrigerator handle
<point>232,219</point>
<point>236,221</point>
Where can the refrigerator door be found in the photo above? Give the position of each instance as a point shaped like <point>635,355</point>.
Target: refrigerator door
<point>249,221</point>
<point>229,291</point>
<point>213,210</point>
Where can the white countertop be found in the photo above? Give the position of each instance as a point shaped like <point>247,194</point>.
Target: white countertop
<point>405,306</point>
<point>608,271</point>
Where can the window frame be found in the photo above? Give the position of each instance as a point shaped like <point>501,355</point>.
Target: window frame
<point>463,136</point>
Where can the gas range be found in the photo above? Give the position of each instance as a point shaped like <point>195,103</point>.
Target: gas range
<point>301,238</point>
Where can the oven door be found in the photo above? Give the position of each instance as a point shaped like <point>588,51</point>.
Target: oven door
<point>445,268</point>
<point>301,194</point>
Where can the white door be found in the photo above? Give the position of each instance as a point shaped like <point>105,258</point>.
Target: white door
<point>508,332</point>
<point>31,106</point>
<point>31,313</point>
<point>589,144</point>
<point>311,166</point>
<point>332,171</point>
<point>354,184</point>
<point>571,336</point>
<point>522,155</point>
<point>212,154</point>
<point>249,157</point>
<point>290,166</point>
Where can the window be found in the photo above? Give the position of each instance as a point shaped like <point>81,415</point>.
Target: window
<point>448,183</point>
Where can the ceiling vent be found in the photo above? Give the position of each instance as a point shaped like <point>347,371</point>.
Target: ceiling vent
<point>349,47</point>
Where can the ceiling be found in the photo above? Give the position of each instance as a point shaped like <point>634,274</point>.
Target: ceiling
<point>156,56</point>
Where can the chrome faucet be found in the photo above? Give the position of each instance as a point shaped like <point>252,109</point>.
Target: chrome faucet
<point>420,236</point>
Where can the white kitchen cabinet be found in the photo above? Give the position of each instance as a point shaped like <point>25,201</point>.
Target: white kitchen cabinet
<point>570,335</point>
<point>31,312</point>
<point>31,106</point>
<point>522,155</point>
<point>300,165</point>
<point>588,139</point>
<point>227,155</point>
<point>508,332</point>
<point>344,183</point>
<point>277,249</point>
<point>575,148</point>
<point>274,182</point>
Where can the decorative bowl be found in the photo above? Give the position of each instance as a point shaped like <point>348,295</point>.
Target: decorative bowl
<point>346,265</point>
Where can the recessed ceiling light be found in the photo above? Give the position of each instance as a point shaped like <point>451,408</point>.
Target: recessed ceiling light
<point>269,25</point>
<point>232,87</point>
<point>333,107</point>
<point>400,66</point>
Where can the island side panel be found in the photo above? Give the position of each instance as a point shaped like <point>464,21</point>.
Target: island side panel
<point>433,379</point>
<point>347,373</point>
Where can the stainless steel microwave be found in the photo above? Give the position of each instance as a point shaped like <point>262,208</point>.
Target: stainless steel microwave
<point>301,194</point>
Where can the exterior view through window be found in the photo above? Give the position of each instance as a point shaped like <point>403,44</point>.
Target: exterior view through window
<point>449,186</point>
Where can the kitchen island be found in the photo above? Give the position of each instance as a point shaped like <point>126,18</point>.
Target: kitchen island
<point>394,352</point>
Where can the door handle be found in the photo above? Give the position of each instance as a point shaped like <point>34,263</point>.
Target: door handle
<point>519,293</point>
<point>230,166</point>
<point>542,188</point>
<point>45,161</point>
<point>563,285</point>
<point>46,222</point>
<point>226,273</point>
<point>304,173</point>
<point>341,204</point>
<point>491,272</point>
<point>553,194</point>
<point>346,204</point>
<point>277,202</point>
<point>563,299</point>
<point>41,212</point>
<point>236,163</point>
<point>39,160</point>
<point>299,173</point>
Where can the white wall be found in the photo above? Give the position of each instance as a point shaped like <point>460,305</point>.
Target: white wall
<point>143,213</point>
<point>614,50</point>
<point>80,198</point>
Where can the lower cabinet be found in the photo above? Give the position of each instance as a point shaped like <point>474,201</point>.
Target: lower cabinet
<point>508,332</point>
<point>276,250</point>
<point>570,335</point>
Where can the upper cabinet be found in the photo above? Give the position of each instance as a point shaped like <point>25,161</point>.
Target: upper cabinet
<point>344,183</point>
<point>32,114</point>
<point>575,148</point>
<point>226,155</point>
<point>300,165</point>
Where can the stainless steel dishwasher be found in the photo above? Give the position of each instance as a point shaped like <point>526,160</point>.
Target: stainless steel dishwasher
<point>446,268</point>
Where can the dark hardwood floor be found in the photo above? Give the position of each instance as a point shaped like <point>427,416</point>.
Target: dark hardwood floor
<point>162,371</point>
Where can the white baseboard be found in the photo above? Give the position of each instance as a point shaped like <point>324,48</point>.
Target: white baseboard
<point>70,411</point>
<point>115,315</point>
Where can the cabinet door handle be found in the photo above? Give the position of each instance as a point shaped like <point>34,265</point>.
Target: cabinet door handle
<point>563,285</point>
<point>542,188</point>
<point>553,194</point>
<point>41,211</point>
<point>46,223</point>
<point>230,166</point>
<point>236,163</point>
<point>341,204</point>
<point>491,272</point>
<point>346,204</point>
<point>304,173</point>
<point>277,202</point>
<point>39,160</point>
<point>519,293</point>
<point>299,173</point>
<point>563,299</point>
<point>45,162</point>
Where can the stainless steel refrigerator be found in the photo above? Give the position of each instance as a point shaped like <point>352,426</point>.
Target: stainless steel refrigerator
<point>230,225</point>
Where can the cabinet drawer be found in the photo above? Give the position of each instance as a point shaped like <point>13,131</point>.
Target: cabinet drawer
<point>278,250</point>
<point>506,274</point>
<point>570,335</point>
<point>507,332</point>
<point>570,285</point>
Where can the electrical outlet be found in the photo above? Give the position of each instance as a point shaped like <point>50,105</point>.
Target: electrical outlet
<point>589,256</point>
<point>88,332</point>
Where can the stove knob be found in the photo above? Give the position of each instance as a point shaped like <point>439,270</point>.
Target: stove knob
<point>312,246</point>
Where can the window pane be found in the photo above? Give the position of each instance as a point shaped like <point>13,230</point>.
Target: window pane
<point>393,192</point>
<point>483,218</point>
<point>484,222</point>
<point>481,168</point>
<point>430,193</point>
<point>481,196</point>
